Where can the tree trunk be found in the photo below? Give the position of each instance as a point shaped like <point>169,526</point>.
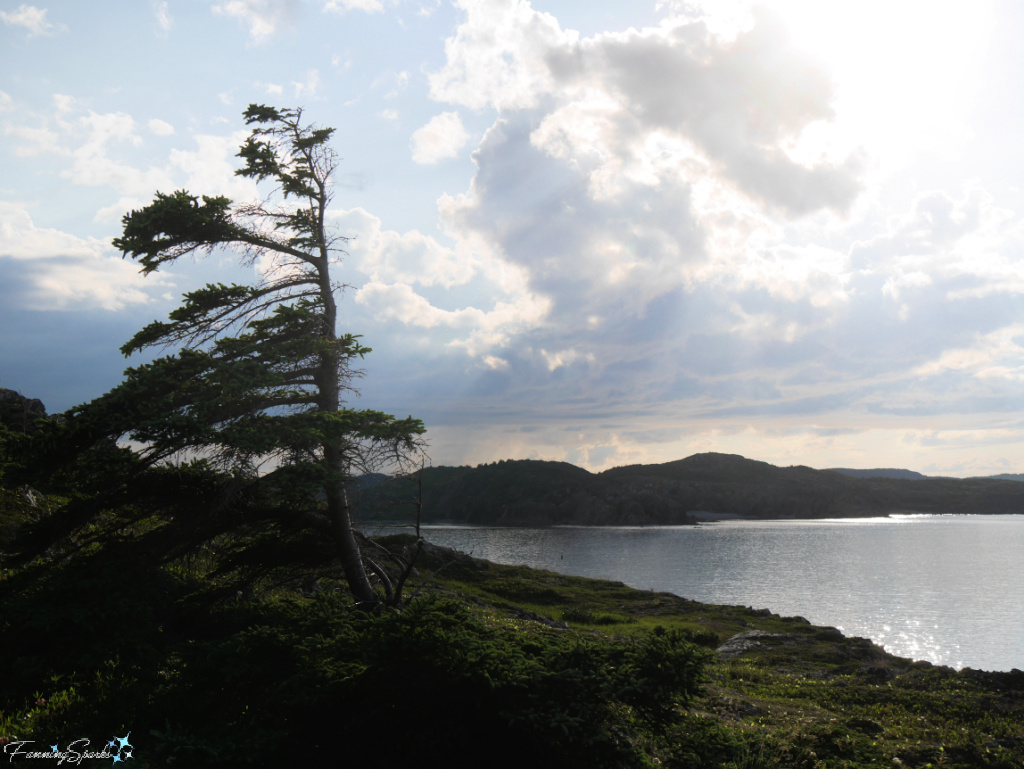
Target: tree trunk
<point>341,529</point>
<point>338,508</point>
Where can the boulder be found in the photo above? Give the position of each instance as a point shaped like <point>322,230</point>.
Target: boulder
<point>756,639</point>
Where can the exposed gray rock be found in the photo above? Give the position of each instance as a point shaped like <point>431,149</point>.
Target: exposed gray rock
<point>32,496</point>
<point>755,639</point>
<point>18,413</point>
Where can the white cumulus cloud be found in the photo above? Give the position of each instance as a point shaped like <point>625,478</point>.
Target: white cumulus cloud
<point>30,18</point>
<point>263,17</point>
<point>340,6</point>
<point>62,270</point>
<point>442,137</point>
<point>498,56</point>
<point>160,127</point>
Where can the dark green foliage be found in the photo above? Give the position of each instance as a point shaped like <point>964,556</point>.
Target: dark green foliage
<point>174,225</point>
<point>584,616</point>
<point>215,298</point>
<point>704,637</point>
<point>433,681</point>
<point>578,614</point>
<point>297,173</point>
<point>517,590</point>
<point>699,742</point>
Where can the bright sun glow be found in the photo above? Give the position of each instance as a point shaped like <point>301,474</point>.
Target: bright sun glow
<point>902,69</point>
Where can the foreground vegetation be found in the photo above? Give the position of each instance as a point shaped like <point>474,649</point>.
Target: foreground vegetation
<point>166,605</point>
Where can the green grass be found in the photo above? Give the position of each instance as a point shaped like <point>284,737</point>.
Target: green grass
<point>813,699</point>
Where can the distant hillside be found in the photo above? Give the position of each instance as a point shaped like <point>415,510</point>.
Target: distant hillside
<point>537,493</point>
<point>882,472</point>
<point>1008,477</point>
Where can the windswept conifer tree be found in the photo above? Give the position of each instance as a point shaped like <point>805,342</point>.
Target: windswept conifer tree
<point>260,374</point>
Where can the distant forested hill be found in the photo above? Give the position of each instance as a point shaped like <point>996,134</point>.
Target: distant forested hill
<point>881,472</point>
<point>533,492</point>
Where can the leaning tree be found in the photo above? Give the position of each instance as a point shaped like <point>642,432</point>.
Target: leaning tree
<point>259,380</point>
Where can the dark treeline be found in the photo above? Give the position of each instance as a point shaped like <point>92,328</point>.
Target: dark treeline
<point>533,492</point>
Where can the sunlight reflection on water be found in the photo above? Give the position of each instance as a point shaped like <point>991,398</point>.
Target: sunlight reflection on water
<point>947,589</point>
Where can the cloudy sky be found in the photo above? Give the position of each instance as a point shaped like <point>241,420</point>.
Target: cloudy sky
<point>607,232</point>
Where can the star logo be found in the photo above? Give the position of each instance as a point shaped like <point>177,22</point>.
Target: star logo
<point>121,745</point>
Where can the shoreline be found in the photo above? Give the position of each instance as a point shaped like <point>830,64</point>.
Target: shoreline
<point>684,561</point>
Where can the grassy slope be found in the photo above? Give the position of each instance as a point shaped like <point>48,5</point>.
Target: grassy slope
<point>808,695</point>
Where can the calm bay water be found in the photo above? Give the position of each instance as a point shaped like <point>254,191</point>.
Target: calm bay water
<point>947,589</point>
